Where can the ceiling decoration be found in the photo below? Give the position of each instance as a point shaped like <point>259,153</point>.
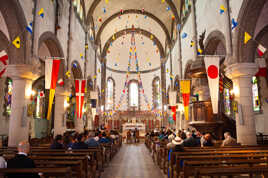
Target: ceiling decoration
<point>148,52</point>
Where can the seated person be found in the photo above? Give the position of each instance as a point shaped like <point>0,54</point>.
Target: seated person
<point>104,139</point>
<point>208,140</point>
<point>57,143</point>
<point>189,141</point>
<point>229,141</point>
<point>3,163</point>
<point>21,160</point>
<point>178,144</point>
<point>80,144</point>
<point>91,141</point>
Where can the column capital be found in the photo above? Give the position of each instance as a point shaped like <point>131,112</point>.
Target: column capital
<point>241,70</point>
<point>22,71</point>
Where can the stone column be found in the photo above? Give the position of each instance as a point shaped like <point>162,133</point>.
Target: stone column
<point>21,93</point>
<point>163,91</point>
<point>228,32</point>
<point>59,116</point>
<point>78,124</point>
<point>194,27</point>
<point>241,75</point>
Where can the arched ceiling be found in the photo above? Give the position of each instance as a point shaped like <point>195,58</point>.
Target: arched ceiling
<point>113,21</point>
<point>148,54</point>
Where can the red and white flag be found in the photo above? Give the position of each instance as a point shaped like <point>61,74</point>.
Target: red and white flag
<point>80,93</point>
<point>261,50</point>
<point>262,72</point>
<point>52,67</point>
<point>212,67</point>
<point>61,82</point>
<point>3,59</point>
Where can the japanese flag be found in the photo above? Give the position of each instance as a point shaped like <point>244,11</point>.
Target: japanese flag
<point>212,67</point>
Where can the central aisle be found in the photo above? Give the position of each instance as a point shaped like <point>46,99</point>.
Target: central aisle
<point>132,161</point>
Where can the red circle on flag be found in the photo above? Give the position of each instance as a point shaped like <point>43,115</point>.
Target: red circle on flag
<point>212,71</point>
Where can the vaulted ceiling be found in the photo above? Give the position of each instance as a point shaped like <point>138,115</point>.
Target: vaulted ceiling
<point>153,19</point>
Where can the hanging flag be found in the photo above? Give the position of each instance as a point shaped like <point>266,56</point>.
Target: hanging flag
<point>212,67</point>
<point>173,110</point>
<point>262,67</point>
<point>163,1</point>
<point>234,24</point>
<point>81,56</point>
<point>61,82</point>
<point>192,43</point>
<point>179,27</point>
<point>199,51</point>
<point>42,94</point>
<point>222,9</point>
<point>52,67</point>
<point>168,8</point>
<point>247,38</point>
<point>261,50</point>
<point>68,74</point>
<point>80,93</point>
<point>185,88</point>
<point>151,37</point>
<point>3,59</point>
<point>16,42</point>
<point>113,37</point>
<point>184,35</point>
<point>29,28</point>
<point>104,10</point>
<point>41,12</point>
<point>106,1</point>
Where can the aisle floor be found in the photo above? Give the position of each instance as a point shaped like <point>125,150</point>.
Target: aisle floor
<point>132,161</point>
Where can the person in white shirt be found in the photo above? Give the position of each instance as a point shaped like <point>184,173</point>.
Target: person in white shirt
<point>3,163</point>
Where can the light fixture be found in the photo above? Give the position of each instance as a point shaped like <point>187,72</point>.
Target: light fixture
<point>66,104</point>
<point>236,90</point>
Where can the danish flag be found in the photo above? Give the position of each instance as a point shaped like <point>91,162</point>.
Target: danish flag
<point>80,93</point>
<point>3,59</point>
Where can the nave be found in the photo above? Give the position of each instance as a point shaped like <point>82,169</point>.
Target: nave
<point>132,161</point>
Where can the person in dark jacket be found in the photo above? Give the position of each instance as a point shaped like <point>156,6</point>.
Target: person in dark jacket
<point>80,144</point>
<point>21,160</point>
<point>189,141</point>
<point>57,143</point>
<point>208,140</point>
<point>104,139</point>
<point>91,141</point>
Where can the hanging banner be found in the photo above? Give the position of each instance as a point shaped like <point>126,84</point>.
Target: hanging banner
<point>80,93</point>
<point>185,87</point>
<point>52,67</point>
<point>212,67</point>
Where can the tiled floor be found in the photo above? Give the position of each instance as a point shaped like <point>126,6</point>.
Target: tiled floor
<point>132,161</point>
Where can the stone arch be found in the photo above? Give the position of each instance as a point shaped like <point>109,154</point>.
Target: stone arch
<point>128,31</point>
<point>215,43</point>
<point>133,11</point>
<point>16,23</point>
<point>247,19</point>
<point>111,78</point>
<point>128,87</point>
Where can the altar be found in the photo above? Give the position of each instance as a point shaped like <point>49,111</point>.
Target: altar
<point>133,126</point>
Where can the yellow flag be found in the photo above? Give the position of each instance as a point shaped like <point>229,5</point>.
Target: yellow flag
<point>185,88</point>
<point>162,1</point>
<point>113,37</point>
<point>68,74</point>
<point>151,37</point>
<point>247,38</point>
<point>50,102</point>
<point>106,1</point>
<point>16,42</point>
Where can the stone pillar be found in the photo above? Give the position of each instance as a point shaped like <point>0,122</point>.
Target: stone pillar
<point>194,27</point>
<point>4,121</point>
<point>163,91</point>
<point>228,32</point>
<point>21,93</point>
<point>241,75</point>
<point>59,116</point>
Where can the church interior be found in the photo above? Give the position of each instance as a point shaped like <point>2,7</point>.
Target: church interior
<point>133,88</point>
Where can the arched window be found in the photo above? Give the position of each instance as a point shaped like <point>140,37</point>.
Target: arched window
<point>156,93</point>
<point>110,94</point>
<point>133,94</point>
<point>255,95</point>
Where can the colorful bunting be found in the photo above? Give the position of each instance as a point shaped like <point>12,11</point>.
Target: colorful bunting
<point>41,12</point>
<point>68,74</point>
<point>184,35</point>
<point>222,9</point>
<point>29,28</point>
<point>168,8</point>
<point>261,50</point>
<point>247,38</point>
<point>192,43</point>
<point>234,24</point>
<point>104,10</point>
<point>61,82</point>
<point>16,42</point>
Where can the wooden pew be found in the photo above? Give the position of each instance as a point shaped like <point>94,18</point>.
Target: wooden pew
<point>47,172</point>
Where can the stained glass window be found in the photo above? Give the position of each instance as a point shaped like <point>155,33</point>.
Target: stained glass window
<point>255,95</point>
<point>227,101</point>
<point>134,94</point>
<point>157,94</point>
<point>110,94</point>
